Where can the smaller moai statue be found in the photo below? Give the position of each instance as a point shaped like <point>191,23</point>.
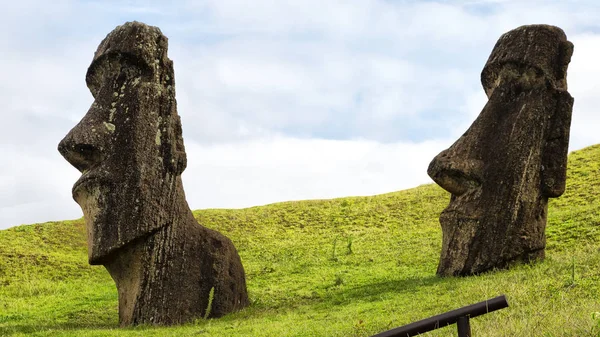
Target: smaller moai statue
<point>168,269</point>
<point>513,157</point>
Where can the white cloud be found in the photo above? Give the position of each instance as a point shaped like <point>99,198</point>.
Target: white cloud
<point>280,168</point>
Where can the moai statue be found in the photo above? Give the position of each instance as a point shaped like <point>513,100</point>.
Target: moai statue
<point>129,147</point>
<point>502,171</point>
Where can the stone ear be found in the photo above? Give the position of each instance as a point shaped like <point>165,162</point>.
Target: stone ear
<point>554,158</point>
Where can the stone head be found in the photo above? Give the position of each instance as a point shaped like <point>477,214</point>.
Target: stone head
<point>128,146</point>
<point>513,157</point>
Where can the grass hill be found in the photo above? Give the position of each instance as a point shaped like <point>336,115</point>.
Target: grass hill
<point>343,267</point>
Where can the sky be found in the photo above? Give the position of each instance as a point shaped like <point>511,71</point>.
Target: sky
<point>279,100</point>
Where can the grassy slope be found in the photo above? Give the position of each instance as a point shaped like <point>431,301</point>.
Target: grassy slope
<point>343,267</point>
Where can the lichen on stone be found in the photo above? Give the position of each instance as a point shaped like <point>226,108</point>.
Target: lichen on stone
<point>110,127</point>
<point>157,138</point>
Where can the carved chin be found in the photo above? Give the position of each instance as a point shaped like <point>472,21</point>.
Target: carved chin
<point>455,226</point>
<point>90,201</point>
<point>458,232</point>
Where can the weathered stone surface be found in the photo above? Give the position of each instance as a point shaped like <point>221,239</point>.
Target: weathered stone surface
<point>502,171</point>
<point>129,148</point>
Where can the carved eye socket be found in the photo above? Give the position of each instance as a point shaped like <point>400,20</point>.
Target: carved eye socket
<point>99,73</point>
<point>110,67</point>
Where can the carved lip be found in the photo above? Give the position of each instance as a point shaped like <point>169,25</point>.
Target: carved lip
<point>88,178</point>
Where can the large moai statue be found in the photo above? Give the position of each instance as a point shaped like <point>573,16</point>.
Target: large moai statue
<point>168,269</point>
<point>504,168</point>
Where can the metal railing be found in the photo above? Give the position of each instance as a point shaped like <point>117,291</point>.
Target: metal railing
<point>460,317</point>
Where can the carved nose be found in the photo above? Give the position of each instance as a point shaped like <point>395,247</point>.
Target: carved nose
<point>80,151</point>
<point>454,174</point>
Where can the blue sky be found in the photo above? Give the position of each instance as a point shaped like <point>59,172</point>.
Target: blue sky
<point>280,100</point>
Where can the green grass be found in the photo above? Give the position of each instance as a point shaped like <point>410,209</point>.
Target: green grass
<point>343,267</point>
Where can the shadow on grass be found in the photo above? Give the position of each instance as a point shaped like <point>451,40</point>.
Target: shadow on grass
<point>40,328</point>
<point>343,295</point>
<point>78,328</point>
<point>375,291</point>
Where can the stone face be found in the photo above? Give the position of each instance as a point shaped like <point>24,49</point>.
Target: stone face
<point>504,168</point>
<point>129,148</point>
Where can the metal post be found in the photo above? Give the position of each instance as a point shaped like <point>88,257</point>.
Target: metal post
<point>464,327</point>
